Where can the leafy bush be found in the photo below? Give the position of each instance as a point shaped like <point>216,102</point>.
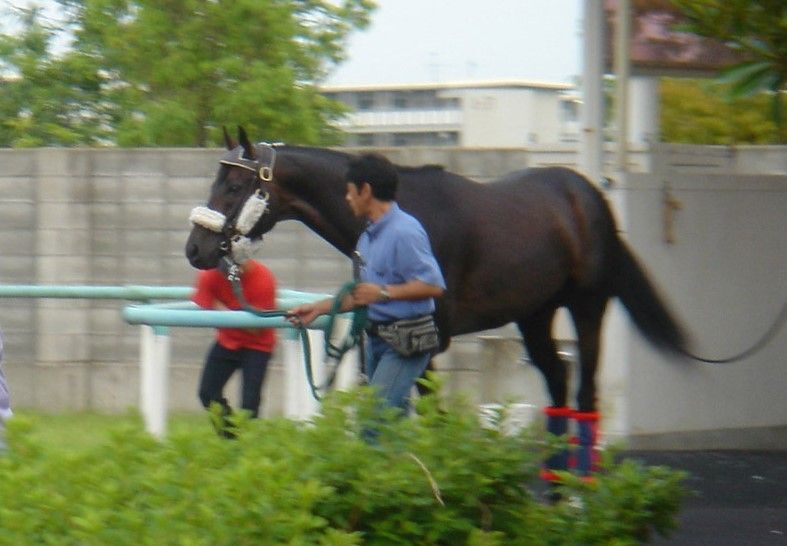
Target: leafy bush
<point>439,478</point>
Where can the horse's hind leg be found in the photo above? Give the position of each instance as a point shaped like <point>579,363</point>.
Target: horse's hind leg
<point>537,334</point>
<point>587,314</point>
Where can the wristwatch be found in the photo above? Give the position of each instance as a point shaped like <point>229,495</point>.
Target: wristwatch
<point>384,295</point>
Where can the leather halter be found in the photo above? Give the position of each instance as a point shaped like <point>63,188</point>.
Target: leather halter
<point>235,229</point>
<point>262,167</point>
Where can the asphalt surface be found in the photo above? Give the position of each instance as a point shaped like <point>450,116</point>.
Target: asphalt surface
<point>739,497</point>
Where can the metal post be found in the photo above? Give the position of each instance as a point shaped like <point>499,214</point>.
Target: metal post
<point>644,110</point>
<point>592,141</point>
<point>154,375</point>
<point>622,37</point>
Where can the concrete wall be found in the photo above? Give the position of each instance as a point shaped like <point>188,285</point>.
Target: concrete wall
<point>114,217</point>
<point>724,276</point>
<point>106,216</point>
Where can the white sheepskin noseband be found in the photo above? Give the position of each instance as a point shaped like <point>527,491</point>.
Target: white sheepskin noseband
<point>253,209</point>
<point>242,247</point>
<point>207,218</point>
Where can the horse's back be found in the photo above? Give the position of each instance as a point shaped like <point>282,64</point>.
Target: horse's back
<point>532,203</point>
<point>543,180</point>
<point>510,245</point>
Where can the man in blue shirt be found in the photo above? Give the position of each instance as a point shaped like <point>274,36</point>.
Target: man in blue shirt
<point>400,278</point>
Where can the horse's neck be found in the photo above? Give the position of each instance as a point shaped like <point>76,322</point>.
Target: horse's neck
<point>333,228</point>
<point>319,186</point>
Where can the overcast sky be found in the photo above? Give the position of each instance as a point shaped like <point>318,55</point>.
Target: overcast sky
<point>412,41</point>
<point>446,40</point>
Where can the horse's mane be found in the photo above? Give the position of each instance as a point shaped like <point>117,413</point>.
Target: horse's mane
<point>429,167</point>
<point>331,153</point>
<point>327,153</point>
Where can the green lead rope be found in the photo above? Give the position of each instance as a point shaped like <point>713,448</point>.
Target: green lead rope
<point>333,351</point>
<point>356,327</point>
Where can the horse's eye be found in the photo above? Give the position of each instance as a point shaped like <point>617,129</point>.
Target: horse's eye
<point>234,188</point>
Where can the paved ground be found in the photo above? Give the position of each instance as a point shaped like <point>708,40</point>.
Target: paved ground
<point>740,497</point>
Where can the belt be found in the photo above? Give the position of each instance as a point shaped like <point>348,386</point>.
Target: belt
<point>373,326</point>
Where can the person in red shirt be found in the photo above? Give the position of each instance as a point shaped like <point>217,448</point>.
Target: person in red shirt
<point>244,349</point>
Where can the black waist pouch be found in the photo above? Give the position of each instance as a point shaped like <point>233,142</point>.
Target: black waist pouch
<point>410,336</point>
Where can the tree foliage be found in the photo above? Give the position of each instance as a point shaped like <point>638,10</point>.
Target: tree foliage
<point>46,100</point>
<point>758,28</point>
<point>156,72</point>
<point>699,112</point>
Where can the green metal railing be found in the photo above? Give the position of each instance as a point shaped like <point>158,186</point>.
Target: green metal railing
<point>155,314</point>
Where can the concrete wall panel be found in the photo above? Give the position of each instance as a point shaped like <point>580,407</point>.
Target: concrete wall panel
<point>112,216</point>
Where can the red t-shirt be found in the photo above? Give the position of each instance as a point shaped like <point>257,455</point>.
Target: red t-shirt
<point>259,289</point>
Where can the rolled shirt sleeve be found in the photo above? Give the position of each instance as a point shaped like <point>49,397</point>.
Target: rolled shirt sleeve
<point>414,255</point>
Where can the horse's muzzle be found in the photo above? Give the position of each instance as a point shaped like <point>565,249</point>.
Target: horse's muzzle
<point>199,258</point>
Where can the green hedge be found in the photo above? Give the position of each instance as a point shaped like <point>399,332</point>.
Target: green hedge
<point>439,478</point>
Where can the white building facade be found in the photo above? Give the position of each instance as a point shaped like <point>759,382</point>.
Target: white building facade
<point>492,114</point>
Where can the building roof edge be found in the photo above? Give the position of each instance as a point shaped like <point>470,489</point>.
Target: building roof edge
<point>423,86</point>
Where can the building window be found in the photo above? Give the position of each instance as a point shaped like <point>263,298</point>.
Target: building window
<point>569,110</point>
<point>435,138</point>
<point>448,138</point>
<point>448,104</point>
<point>365,101</point>
<point>365,139</point>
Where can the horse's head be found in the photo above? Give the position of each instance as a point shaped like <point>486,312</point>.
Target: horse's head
<point>243,204</point>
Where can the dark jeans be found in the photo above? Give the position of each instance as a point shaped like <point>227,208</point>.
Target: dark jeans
<point>220,364</point>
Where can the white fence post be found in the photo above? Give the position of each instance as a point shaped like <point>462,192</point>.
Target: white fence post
<point>347,374</point>
<point>299,402</point>
<point>154,378</point>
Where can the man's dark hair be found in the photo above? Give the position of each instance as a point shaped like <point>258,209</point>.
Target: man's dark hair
<point>378,172</point>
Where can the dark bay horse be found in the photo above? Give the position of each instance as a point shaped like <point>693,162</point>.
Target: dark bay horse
<point>513,250</point>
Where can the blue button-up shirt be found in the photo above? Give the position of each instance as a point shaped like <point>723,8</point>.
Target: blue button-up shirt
<point>394,250</point>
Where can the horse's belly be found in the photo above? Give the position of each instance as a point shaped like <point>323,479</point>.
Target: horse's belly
<point>493,312</point>
<point>486,303</point>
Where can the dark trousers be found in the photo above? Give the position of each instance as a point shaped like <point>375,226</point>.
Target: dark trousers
<point>220,364</point>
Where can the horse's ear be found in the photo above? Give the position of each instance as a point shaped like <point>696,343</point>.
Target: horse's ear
<point>228,140</point>
<point>248,147</point>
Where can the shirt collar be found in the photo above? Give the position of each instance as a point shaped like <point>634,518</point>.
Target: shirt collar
<point>374,228</point>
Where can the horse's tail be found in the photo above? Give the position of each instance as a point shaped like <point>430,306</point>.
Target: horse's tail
<point>646,308</point>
